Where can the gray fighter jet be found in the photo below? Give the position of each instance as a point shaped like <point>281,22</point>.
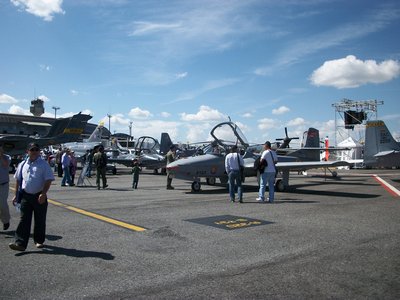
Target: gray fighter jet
<point>211,165</point>
<point>81,148</point>
<point>147,153</point>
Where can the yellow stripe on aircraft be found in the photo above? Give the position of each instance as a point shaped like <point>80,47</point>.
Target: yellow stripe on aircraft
<point>73,130</point>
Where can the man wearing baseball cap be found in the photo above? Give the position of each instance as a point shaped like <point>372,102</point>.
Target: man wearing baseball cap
<point>33,178</point>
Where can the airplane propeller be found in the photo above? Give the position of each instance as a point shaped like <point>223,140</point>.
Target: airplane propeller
<point>286,140</point>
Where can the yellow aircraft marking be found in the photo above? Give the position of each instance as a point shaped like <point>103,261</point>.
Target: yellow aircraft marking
<point>73,130</point>
<point>97,216</point>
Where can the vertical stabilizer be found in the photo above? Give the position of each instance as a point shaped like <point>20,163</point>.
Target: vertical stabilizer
<point>165,144</point>
<point>381,149</point>
<point>96,134</point>
<point>71,132</point>
<point>312,141</point>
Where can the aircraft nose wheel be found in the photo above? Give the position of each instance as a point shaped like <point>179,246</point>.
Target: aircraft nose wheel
<point>279,186</point>
<point>196,185</point>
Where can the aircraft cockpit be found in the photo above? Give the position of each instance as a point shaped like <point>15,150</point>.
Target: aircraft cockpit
<point>227,135</point>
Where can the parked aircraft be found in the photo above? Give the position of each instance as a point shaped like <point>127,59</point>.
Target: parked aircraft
<point>63,130</point>
<point>147,152</point>
<point>211,165</point>
<point>381,149</point>
<point>80,148</point>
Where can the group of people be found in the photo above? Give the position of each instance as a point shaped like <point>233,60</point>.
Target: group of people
<point>34,176</point>
<point>234,166</point>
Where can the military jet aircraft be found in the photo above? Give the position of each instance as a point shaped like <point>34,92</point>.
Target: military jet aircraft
<point>80,148</point>
<point>63,130</point>
<point>211,165</point>
<point>146,152</point>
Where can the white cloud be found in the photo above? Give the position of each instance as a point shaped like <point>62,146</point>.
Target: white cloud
<point>350,72</point>
<point>17,110</point>
<point>145,28</point>
<point>42,8</point>
<point>181,75</point>
<point>6,99</point>
<point>43,98</point>
<point>205,113</point>
<point>44,68</point>
<point>138,113</point>
<point>296,122</point>
<point>266,123</point>
<point>74,92</point>
<point>280,111</point>
<point>247,115</point>
<point>165,114</point>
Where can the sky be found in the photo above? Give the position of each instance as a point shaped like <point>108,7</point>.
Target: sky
<point>184,66</point>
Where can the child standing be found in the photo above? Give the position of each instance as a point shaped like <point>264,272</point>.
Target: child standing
<point>135,171</point>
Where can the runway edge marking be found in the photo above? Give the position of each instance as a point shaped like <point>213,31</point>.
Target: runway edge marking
<point>97,216</point>
<point>387,186</point>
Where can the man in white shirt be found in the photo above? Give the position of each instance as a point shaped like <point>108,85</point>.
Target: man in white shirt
<point>233,162</point>
<point>269,174</point>
<point>34,177</point>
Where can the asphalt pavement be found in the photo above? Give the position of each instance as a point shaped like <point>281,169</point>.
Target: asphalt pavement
<point>324,239</point>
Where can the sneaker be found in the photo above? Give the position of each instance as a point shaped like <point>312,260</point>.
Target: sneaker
<point>260,199</point>
<point>16,247</point>
<point>240,201</point>
<point>170,188</point>
<point>105,186</point>
<point>232,200</point>
<point>6,226</point>
<point>39,245</point>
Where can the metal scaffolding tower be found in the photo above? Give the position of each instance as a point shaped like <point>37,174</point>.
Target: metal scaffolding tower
<point>354,113</point>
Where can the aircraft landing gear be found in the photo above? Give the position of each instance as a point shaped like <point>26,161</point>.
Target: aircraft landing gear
<point>279,186</point>
<point>211,181</point>
<point>196,185</point>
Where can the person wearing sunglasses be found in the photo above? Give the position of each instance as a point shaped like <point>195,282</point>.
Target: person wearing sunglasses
<point>33,179</point>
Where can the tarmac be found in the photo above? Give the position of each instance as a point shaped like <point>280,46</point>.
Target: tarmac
<point>327,238</point>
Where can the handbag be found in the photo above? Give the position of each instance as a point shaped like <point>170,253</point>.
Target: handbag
<point>241,169</point>
<point>260,164</point>
<point>20,192</point>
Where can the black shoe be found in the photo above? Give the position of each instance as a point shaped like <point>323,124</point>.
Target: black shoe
<point>105,186</point>
<point>16,247</point>
<point>240,201</point>
<point>6,226</point>
<point>98,187</point>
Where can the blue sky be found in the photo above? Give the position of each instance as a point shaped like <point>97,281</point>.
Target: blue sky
<point>184,66</point>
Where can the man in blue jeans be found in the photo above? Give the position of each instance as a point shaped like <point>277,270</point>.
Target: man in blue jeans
<point>233,162</point>
<point>269,174</point>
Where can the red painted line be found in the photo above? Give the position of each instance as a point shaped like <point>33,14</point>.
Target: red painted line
<point>388,187</point>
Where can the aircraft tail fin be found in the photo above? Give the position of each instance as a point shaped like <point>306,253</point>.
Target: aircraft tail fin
<point>380,148</point>
<point>96,134</point>
<point>68,129</point>
<point>165,144</point>
<point>312,141</point>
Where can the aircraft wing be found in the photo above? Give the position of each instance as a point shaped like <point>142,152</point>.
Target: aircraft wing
<point>305,165</point>
<point>386,153</point>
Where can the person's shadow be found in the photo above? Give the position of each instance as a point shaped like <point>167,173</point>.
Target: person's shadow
<point>54,250</point>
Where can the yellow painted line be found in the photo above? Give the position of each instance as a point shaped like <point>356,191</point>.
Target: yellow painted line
<point>97,216</point>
